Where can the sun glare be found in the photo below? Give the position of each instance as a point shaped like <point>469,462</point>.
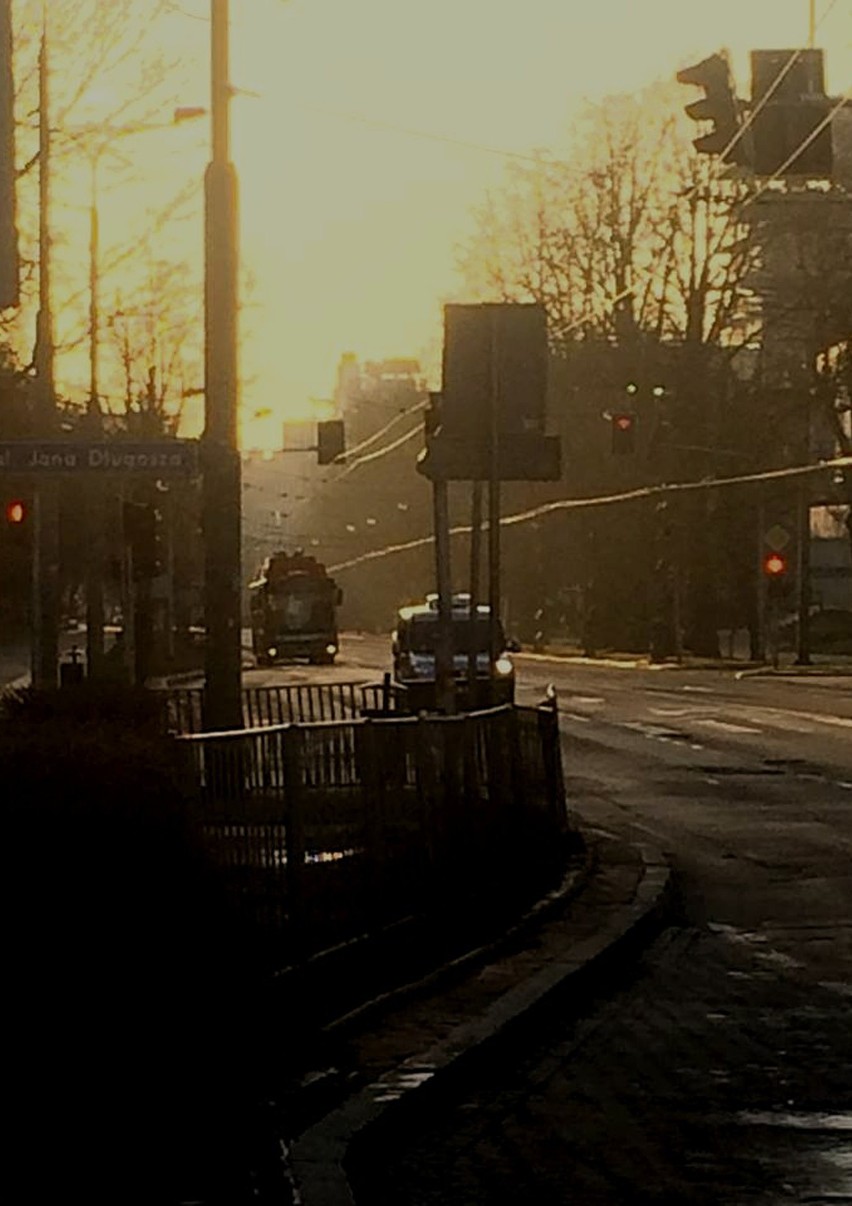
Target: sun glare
<point>364,134</point>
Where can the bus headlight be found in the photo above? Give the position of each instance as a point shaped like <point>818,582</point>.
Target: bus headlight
<point>331,649</point>
<point>272,652</point>
<point>503,666</point>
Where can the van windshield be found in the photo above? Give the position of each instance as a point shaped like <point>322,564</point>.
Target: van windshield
<point>468,636</point>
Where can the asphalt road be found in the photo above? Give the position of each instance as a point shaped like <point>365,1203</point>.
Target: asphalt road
<point>719,1069</point>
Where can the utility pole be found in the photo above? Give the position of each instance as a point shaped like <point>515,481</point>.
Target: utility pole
<point>221,464</point>
<point>9,263</point>
<point>475,553</point>
<point>94,492</point>
<point>45,640</point>
<point>493,503</point>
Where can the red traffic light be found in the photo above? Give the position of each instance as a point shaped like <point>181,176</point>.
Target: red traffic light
<point>775,565</point>
<point>16,511</point>
<point>623,427</point>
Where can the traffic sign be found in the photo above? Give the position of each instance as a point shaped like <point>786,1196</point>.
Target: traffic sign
<point>777,538</point>
<point>39,458</point>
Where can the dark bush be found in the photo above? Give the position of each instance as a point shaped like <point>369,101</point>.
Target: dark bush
<point>132,996</point>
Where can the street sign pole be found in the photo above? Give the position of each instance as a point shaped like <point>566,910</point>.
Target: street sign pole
<point>221,468</point>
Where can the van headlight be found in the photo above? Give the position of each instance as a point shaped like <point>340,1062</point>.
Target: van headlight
<point>503,666</point>
<point>331,649</point>
<point>272,651</point>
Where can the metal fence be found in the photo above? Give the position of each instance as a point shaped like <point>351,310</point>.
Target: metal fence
<point>302,703</point>
<point>329,829</point>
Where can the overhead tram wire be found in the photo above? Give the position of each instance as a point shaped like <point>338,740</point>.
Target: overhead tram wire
<point>613,301</point>
<point>377,435</point>
<point>767,96</point>
<point>647,276</point>
<point>803,145</point>
<point>576,504</point>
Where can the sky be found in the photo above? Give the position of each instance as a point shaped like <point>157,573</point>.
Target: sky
<point>364,132</point>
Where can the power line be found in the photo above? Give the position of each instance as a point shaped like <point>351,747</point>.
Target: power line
<point>803,146</point>
<point>380,452</point>
<point>377,435</point>
<point>576,504</point>
<point>771,90</point>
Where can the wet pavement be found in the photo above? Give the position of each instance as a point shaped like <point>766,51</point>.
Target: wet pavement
<point>717,1074</point>
<point>707,1062</point>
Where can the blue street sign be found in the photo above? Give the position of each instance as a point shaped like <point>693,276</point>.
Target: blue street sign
<point>160,458</point>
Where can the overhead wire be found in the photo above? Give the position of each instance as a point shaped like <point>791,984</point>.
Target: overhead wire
<point>574,504</point>
<point>647,276</point>
<point>771,90</point>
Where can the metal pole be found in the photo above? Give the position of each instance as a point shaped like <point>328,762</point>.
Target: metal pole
<point>475,557</point>
<point>221,464</point>
<point>444,676</point>
<point>94,493</point>
<point>45,637</point>
<point>803,627</point>
<point>493,501</point>
<point>759,652</point>
<point>811,22</point>
<point>9,260</point>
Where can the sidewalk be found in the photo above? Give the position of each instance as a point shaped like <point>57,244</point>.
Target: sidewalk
<point>401,1052</point>
<point>821,663</point>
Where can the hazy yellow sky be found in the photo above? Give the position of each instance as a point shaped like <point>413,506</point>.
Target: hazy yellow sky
<point>348,228</point>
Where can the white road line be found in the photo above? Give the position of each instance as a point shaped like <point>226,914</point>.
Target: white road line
<point>577,716</point>
<point>726,725</point>
<point>703,690</point>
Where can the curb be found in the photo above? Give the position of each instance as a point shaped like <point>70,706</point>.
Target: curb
<point>317,1157</point>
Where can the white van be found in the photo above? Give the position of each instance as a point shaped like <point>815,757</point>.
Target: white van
<point>414,646</point>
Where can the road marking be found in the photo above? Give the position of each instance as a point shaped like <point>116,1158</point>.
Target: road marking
<point>587,699</point>
<point>703,690</point>
<point>577,716</point>
<point>726,725</point>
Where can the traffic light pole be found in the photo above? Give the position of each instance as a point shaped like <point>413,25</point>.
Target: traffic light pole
<point>803,627</point>
<point>45,593</point>
<point>493,503</point>
<point>221,463</point>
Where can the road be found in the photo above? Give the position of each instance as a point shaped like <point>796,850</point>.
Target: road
<point>719,1069</point>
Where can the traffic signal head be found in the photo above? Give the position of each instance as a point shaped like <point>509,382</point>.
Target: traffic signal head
<point>17,526</point>
<point>141,531</point>
<point>775,566</point>
<point>623,432</point>
<point>331,441</point>
<point>16,512</point>
<point>718,105</point>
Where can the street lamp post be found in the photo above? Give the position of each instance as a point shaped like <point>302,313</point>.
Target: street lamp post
<point>105,136</point>
<point>221,462</point>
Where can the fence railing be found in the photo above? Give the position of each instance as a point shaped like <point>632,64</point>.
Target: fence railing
<point>328,829</point>
<point>301,703</point>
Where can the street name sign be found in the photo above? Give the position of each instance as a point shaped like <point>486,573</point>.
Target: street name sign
<point>38,458</point>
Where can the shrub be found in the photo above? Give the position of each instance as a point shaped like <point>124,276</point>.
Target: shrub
<point>131,995</point>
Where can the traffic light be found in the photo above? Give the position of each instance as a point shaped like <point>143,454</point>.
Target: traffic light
<point>17,513</point>
<point>623,432</point>
<point>718,105</point>
<point>775,572</point>
<point>141,531</point>
<point>18,523</point>
<point>775,565</point>
<point>331,441</point>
